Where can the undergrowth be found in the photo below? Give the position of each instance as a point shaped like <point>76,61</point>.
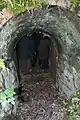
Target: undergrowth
<point>72,108</point>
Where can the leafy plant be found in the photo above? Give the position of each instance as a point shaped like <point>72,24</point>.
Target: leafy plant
<point>74,3</point>
<point>18,6</point>
<point>7,96</point>
<point>72,107</point>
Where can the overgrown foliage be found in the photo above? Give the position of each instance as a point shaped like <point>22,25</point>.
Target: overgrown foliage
<point>6,97</point>
<point>73,107</point>
<point>18,6</point>
<point>74,3</point>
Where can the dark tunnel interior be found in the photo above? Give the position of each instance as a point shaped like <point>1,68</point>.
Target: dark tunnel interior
<point>33,52</point>
<point>35,58</point>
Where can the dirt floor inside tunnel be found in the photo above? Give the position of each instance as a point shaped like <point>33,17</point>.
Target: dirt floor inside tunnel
<point>39,98</point>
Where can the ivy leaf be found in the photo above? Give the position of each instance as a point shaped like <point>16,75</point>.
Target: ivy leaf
<point>2,97</point>
<point>73,3</point>
<point>9,92</point>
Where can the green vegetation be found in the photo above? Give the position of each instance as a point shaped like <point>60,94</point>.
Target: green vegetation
<point>74,3</point>
<point>18,6</point>
<point>72,107</point>
<point>7,97</point>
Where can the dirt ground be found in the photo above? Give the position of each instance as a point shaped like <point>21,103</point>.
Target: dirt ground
<point>40,99</point>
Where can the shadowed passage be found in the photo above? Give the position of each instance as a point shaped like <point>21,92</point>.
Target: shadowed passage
<point>33,52</point>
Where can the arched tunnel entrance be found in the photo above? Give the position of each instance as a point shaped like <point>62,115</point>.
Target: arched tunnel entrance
<point>37,76</point>
<point>35,52</point>
<point>38,86</point>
